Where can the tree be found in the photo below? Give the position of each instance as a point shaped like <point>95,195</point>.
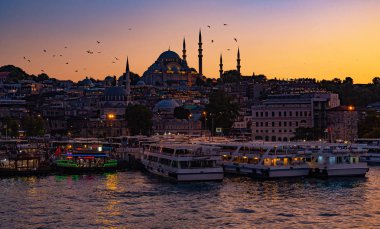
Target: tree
<point>16,73</point>
<point>181,113</point>
<point>376,80</point>
<point>221,112</point>
<point>348,80</point>
<point>42,77</point>
<point>369,127</point>
<point>139,119</point>
<point>259,78</point>
<point>34,126</point>
<point>12,127</point>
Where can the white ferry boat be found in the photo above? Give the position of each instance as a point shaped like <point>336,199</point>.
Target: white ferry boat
<point>182,162</point>
<point>240,159</point>
<point>339,160</point>
<point>265,160</point>
<point>284,162</point>
<point>373,155</point>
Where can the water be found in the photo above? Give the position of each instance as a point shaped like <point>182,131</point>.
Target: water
<point>137,200</point>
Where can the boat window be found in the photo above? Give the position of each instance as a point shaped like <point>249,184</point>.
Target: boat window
<point>167,150</point>
<point>184,164</point>
<point>254,160</point>
<point>164,161</point>
<point>182,151</point>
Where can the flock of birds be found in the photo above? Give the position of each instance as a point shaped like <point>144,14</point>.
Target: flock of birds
<point>67,63</point>
<point>91,52</point>
<point>212,41</point>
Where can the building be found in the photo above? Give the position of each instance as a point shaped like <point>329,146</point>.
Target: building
<point>170,70</point>
<point>278,117</point>
<point>164,121</point>
<point>342,124</point>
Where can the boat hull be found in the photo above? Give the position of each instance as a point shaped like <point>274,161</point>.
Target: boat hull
<point>35,172</point>
<point>239,169</point>
<point>282,173</point>
<point>80,170</point>
<point>206,174</point>
<point>342,170</point>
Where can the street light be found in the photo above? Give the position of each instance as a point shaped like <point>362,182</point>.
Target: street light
<point>110,116</point>
<point>190,115</point>
<point>204,113</point>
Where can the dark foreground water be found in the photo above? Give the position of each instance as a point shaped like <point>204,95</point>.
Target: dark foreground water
<point>137,200</point>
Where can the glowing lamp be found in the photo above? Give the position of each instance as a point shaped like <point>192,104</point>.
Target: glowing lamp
<point>111,116</point>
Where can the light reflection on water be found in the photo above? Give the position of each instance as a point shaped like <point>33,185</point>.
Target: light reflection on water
<point>137,200</point>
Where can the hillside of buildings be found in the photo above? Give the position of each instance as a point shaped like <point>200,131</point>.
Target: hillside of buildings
<point>249,106</point>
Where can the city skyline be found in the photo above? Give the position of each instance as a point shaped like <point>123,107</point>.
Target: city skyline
<point>287,39</point>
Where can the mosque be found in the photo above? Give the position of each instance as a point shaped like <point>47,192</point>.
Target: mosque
<point>170,70</point>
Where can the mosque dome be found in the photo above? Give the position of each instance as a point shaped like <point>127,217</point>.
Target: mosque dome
<point>166,105</point>
<point>168,55</point>
<point>109,78</point>
<point>140,83</point>
<point>87,83</point>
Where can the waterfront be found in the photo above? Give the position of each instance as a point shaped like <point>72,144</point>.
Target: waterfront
<point>137,200</point>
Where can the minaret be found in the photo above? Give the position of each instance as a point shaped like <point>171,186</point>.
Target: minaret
<point>200,54</point>
<point>184,50</point>
<point>238,61</point>
<point>221,66</point>
<point>127,80</point>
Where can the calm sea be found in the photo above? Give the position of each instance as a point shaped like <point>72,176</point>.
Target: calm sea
<point>137,200</point>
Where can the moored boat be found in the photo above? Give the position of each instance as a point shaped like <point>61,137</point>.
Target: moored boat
<point>182,162</point>
<point>87,158</point>
<point>339,160</point>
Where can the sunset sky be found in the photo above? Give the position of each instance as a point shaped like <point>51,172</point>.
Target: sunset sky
<point>279,38</point>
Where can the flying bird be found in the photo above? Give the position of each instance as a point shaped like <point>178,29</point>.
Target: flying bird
<point>60,55</point>
<point>209,26</point>
<point>54,55</point>
<point>76,70</point>
<point>113,62</point>
<point>116,58</point>
<point>29,61</point>
<point>42,70</point>
<point>235,39</point>
<point>224,24</point>
<point>24,58</point>
<point>98,42</point>
<point>67,62</point>
<point>65,47</point>
<point>228,49</point>
<point>44,50</point>
<point>99,52</point>
<point>212,41</point>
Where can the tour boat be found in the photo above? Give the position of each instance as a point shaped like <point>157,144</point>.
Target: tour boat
<point>339,160</point>
<point>91,157</point>
<point>23,160</point>
<point>264,160</point>
<point>240,159</point>
<point>182,162</point>
<point>372,157</point>
<point>284,161</point>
